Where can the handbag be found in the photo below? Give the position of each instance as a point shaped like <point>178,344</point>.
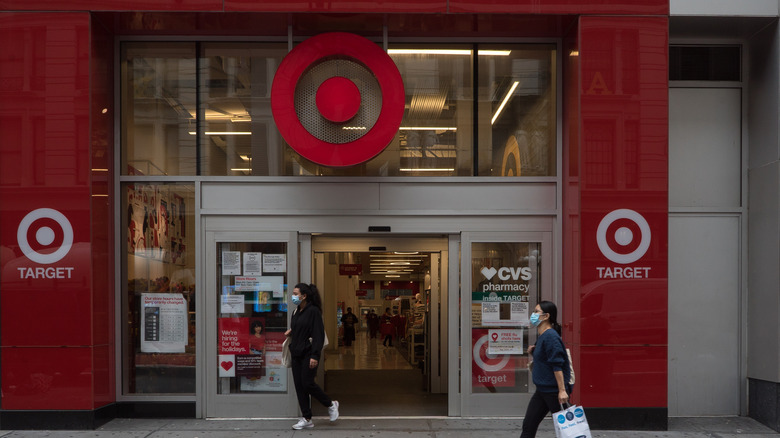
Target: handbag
<point>286,356</point>
<point>571,423</point>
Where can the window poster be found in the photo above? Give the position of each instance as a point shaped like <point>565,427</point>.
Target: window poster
<point>274,263</point>
<point>163,323</point>
<point>505,341</point>
<point>227,365</point>
<point>231,262</point>
<point>233,335</point>
<point>155,223</point>
<point>491,309</point>
<point>253,263</point>
<point>274,377</point>
<point>233,303</point>
<point>488,370</point>
<point>247,284</point>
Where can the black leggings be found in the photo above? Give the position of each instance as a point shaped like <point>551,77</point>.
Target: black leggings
<point>541,404</point>
<point>305,386</point>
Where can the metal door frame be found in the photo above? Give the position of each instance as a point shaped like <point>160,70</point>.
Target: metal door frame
<point>505,404</point>
<point>239,405</point>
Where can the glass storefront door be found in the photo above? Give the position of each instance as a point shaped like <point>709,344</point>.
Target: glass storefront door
<point>503,277</point>
<point>249,277</point>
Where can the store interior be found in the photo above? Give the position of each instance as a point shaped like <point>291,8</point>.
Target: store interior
<point>385,370</point>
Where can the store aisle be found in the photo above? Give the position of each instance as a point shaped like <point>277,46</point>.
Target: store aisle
<point>370,379</point>
<point>367,354</point>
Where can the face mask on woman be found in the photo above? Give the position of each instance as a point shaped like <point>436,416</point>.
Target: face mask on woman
<point>296,299</point>
<point>535,319</point>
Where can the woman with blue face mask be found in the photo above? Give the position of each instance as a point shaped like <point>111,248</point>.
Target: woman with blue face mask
<point>307,336</point>
<point>551,370</point>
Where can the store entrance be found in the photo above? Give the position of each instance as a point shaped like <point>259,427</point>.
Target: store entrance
<point>384,307</point>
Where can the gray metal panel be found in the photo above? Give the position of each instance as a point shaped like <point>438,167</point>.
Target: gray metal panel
<point>705,147</point>
<point>763,95</point>
<point>704,315</point>
<point>442,196</point>
<point>764,275</point>
<point>323,197</point>
<point>728,8</point>
<point>290,196</point>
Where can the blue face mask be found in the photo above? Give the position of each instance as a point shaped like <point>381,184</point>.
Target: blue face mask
<point>535,319</point>
<point>296,299</point>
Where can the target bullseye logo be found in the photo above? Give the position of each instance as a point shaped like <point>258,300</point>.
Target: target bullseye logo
<point>619,229</point>
<point>338,99</point>
<point>485,360</point>
<point>41,221</point>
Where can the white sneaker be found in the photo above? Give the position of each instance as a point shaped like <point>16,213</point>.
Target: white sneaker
<point>333,411</point>
<point>303,424</point>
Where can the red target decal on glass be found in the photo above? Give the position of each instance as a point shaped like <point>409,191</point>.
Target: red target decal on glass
<point>338,99</point>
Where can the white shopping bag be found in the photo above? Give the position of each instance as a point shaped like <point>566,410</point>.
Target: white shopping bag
<point>571,423</point>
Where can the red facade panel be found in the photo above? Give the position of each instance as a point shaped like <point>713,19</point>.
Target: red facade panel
<point>611,7</point>
<point>102,114</point>
<point>112,5</point>
<point>622,376</point>
<point>48,214</point>
<point>40,378</point>
<point>621,224</point>
<point>357,6</point>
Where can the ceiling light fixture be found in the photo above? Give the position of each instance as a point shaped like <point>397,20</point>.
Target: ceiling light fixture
<point>224,133</point>
<point>447,52</point>
<point>503,102</point>
<point>427,128</point>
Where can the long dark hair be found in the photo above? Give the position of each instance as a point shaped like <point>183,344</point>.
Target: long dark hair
<point>551,309</point>
<point>312,294</point>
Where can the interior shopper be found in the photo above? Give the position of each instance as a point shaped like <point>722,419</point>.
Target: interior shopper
<point>349,320</point>
<point>551,372</point>
<point>307,337</point>
<point>387,328</point>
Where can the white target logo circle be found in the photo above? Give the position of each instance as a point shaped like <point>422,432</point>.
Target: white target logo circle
<point>623,236</point>
<point>490,367</point>
<point>45,236</point>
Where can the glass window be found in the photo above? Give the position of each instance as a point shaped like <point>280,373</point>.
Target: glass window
<point>158,307</point>
<point>158,109</point>
<point>517,110</point>
<point>505,289</point>
<point>252,303</point>
<point>436,135</point>
<point>232,132</point>
<point>239,135</point>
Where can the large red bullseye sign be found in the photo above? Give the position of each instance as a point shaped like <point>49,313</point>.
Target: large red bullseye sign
<point>338,99</point>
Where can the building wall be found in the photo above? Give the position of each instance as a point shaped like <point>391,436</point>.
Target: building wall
<point>620,97</point>
<point>763,304</point>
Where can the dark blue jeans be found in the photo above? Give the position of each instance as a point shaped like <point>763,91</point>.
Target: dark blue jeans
<point>305,386</point>
<point>541,404</point>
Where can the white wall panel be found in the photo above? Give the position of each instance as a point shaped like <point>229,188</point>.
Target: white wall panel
<point>705,147</point>
<point>738,8</point>
<point>704,315</point>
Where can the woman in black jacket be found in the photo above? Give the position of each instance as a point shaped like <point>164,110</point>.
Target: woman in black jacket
<point>307,335</point>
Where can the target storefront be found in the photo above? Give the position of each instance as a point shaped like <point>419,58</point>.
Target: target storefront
<point>170,169</point>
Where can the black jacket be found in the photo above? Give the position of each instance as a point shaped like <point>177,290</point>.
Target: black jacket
<point>307,324</point>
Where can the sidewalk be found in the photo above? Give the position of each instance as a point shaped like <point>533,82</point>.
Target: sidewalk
<point>348,427</point>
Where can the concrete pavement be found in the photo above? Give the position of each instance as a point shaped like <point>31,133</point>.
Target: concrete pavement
<point>386,427</point>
